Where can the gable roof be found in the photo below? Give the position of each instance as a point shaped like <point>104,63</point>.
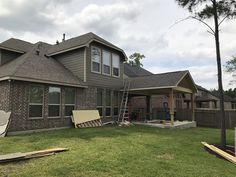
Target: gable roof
<point>158,81</point>
<point>80,41</point>
<point>16,45</point>
<point>134,71</point>
<point>38,68</point>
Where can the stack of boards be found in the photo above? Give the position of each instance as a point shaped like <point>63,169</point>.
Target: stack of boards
<point>29,155</point>
<point>86,118</point>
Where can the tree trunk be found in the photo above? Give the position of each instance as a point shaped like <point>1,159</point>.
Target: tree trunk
<point>220,85</point>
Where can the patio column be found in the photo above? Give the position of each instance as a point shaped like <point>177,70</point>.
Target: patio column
<point>192,107</point>
<point>172,111</point>
<point>148,107</point>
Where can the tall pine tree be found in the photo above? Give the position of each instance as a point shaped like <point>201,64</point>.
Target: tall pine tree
<point>219,11</point>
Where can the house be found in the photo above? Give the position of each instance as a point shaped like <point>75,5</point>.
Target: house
<point>42,83</point>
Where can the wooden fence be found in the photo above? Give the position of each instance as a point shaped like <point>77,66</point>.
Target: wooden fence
<point>208,117</point>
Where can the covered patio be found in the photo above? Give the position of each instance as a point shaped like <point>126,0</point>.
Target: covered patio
<point>167,84</point>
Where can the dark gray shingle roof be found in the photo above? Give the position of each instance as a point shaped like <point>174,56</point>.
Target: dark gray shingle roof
<point>39,68</point>
<point>170,79</point>
<point>82,40</point>
<point>134,71</point>
<point>17,44</point>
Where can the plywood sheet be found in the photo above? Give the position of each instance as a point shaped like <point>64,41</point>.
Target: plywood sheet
<point>4,121</point>
<point>82,116</point>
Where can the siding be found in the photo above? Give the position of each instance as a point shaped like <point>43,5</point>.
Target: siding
<point>74,61</point>
<point>100,80</point>
<point>7,56</point>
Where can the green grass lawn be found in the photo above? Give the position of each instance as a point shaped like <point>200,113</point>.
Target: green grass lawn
<point>114,151</point>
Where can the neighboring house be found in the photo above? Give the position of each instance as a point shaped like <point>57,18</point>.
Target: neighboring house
<point>42,83</point>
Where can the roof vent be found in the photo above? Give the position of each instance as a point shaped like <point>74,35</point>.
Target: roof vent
<point>57,42</point>
<point>64,37</point>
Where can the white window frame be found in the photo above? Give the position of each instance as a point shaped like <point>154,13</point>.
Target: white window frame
<point>59,116</point>
<point>113,54</point>
<point>100,67</point>
<point>104,64</point>
<point>35,104</point>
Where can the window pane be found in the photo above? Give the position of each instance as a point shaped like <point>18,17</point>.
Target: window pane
<point>53,110</point>
<point>115,61</point>
<point>115,71</point>
<point>96,55</point>
<point>96,67</point>
<point>96,59</point>
<point>100,111</point>
<point>36,94</point>
<point>106,69</point>
<point>108,98</point>
<point>108,111</point>
<point>99,97</point>
<point>69,96</point>
<point>35,111</point>
<point>68,110</point>
<point>54,95</point>
<point>106,58</point>
<point>115,112</point>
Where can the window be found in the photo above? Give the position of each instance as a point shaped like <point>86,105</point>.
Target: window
<point>69,101</point>
<point>115,103</point>
<point>96,59</point>
<point>106,56</point>
<point>36,102</point>
<point>54,102</point>
<point>99,101</point>
<point>108,103</point>
<point>115,65</point>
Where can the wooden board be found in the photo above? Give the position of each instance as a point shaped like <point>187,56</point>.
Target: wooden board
<point>82,116</point>
<point>28,155</point>
<point>220,152</point>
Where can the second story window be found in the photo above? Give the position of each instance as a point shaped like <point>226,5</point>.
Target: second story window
<point>106,56</point>
<point>96,59</point>
<point>115,65</point>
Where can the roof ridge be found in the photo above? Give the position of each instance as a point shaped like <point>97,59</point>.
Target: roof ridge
<point>185,71</point>
<point>20,40</point>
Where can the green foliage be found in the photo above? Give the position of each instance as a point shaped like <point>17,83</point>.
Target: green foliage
<point>135,59</point>
<point>204,9</point>
<point>231,92</point>
<point>115,151</point>
<point>231,65</point>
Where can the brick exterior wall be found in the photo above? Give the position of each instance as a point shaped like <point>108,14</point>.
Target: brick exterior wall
<point>19,97</point>
<point>5,95</point>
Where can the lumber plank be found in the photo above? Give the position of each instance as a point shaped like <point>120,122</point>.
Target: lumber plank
<point>220,152</point>
<point>28,155</point>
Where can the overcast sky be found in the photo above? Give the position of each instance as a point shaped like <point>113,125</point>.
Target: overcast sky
<point>134,25</point>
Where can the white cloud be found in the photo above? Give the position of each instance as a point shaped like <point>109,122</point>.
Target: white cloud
<point>134,25</point>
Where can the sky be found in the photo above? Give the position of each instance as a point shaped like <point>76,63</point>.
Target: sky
<point>135,26</point>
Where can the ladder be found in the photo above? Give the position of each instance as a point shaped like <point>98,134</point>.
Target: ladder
<point>124,111</point>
